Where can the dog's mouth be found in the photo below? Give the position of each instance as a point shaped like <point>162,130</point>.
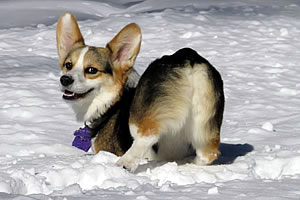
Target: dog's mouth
<point>68,95</point>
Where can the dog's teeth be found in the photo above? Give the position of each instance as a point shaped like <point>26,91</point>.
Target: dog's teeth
<point>69,94</point>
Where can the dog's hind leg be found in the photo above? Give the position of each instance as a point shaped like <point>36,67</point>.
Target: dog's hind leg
<point>205,137</point>
<point>206,151</point>
<point>207,115</point>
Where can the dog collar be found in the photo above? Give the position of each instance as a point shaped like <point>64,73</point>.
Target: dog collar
<point>82,139</point>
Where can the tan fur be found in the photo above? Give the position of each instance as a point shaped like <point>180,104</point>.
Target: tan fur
<point>106,141</point>
<point>147,126</point>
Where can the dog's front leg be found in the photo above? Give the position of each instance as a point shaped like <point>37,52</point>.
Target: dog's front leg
<point>141,144</point>
<point>130,160</point>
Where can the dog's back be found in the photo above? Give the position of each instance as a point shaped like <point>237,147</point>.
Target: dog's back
<point>179,103</point>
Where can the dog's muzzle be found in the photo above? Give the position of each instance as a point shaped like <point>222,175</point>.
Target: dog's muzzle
<point>66,81</point>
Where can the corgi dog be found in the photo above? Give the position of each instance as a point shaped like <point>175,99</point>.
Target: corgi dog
<point>99,83</point>
<point>174,110</point>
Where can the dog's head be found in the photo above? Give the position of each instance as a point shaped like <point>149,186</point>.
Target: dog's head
<point>94,77</point>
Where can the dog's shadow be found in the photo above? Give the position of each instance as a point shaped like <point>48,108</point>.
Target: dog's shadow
<point>229,153</point>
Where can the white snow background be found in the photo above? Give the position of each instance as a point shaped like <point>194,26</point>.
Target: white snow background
<point>254,44</point>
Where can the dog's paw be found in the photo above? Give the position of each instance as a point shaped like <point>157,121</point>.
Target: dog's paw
<point>207,158</point>
<point>128,163</point>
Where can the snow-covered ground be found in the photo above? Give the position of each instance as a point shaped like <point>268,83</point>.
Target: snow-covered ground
<point>254,44</point>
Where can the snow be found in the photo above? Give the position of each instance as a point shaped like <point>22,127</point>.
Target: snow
<point>255,45</point>
<point>268,126</point>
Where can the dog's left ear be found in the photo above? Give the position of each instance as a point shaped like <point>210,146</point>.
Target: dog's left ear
<point>125,47</point>
<point>68,35</point>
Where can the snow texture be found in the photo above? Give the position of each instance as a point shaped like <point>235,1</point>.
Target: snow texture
<point>254,44</point>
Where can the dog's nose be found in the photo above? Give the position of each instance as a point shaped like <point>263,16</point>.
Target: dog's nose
<point>66,80</point>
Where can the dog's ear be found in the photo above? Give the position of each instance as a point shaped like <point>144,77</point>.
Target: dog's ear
<point>125,47</point>
<point>67,35</point>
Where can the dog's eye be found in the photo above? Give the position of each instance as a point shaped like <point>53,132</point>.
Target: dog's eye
<point>68,65</point>
<point>91,70</point>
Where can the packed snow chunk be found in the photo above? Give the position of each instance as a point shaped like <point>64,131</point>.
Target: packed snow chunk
<point>277,168</point>
<point>169,172</point>
<point>5,187</point>
<point>11,185</point>
<point>30,183</point>
<point>74,189</point>
<point>268,126</point>
<point>104,157</point>
<point>213,191</point>
<point>105,176</point>
<point>61,178</point>
<point>288,92</point>
<point>167,188</point>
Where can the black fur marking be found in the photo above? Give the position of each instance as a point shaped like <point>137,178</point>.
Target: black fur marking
<point>180,57</point>
<point>164,70</point>
<point>218,87</point>
<point>108,69</point>
<point>109,48</point>
<point>155,148</point>
<point>123,119</point>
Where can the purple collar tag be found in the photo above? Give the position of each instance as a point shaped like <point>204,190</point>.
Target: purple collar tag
<point>82,139</point>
